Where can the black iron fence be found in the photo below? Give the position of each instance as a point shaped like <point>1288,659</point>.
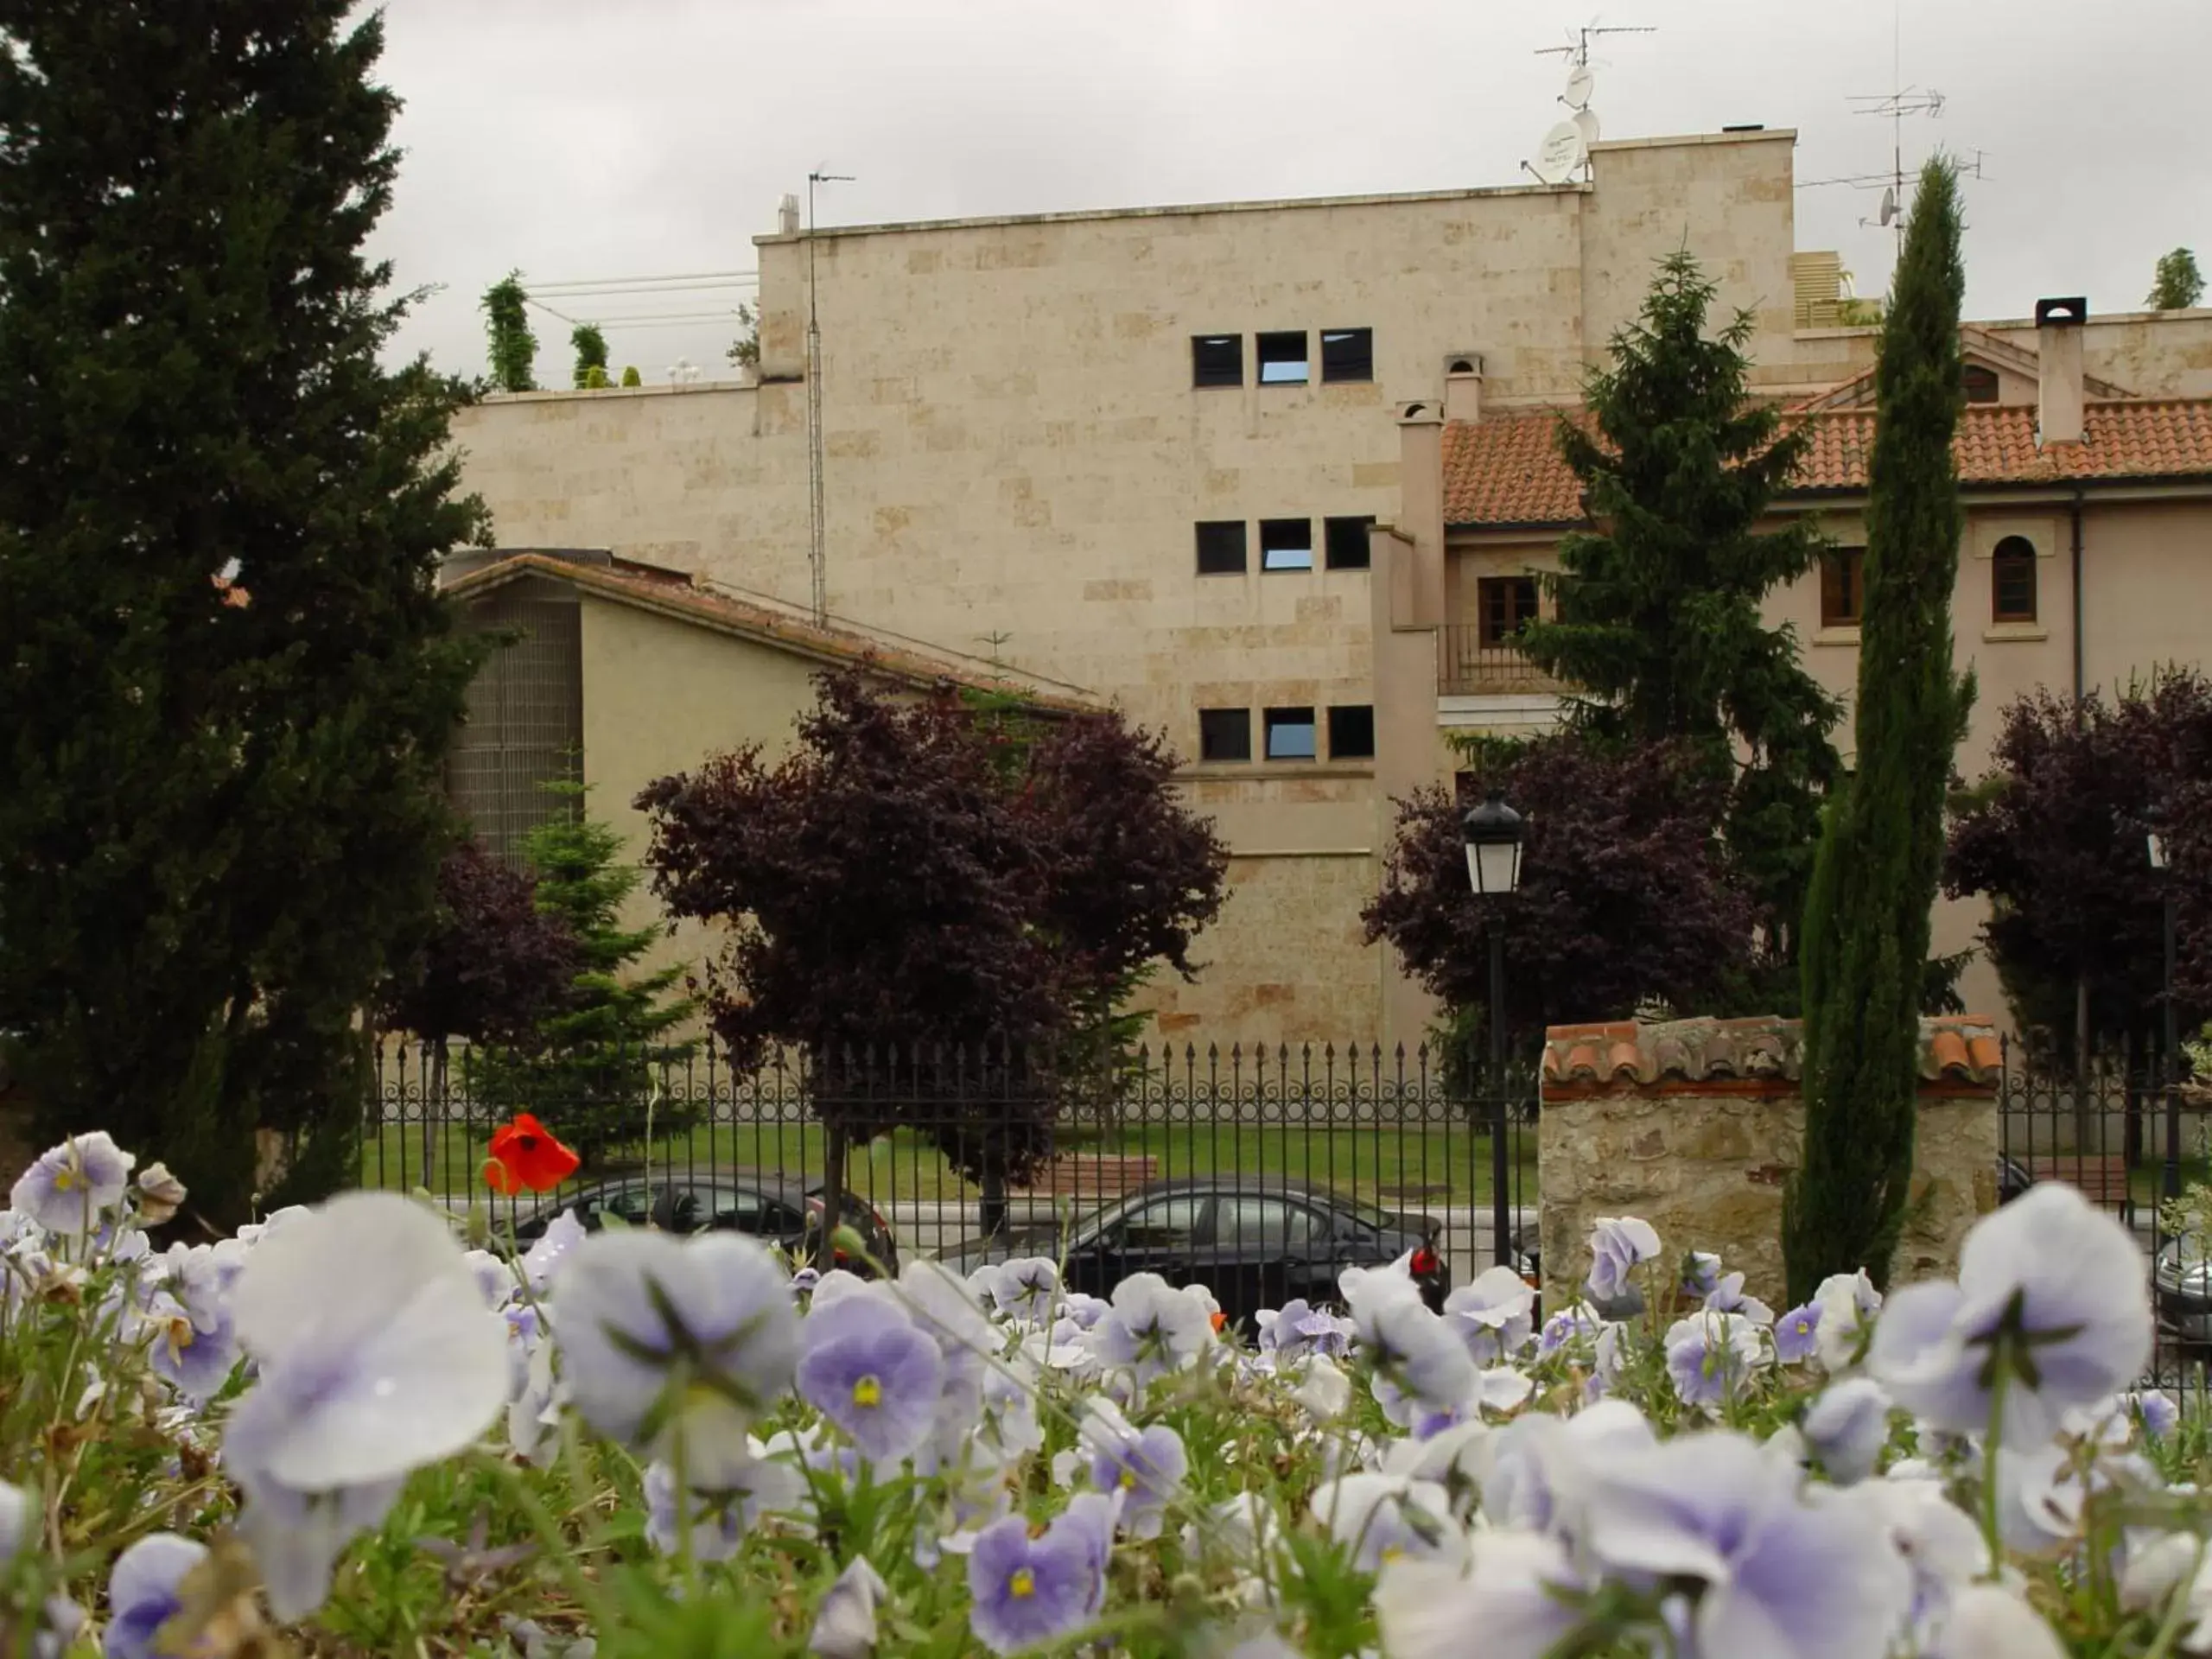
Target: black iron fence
<point>948,1145</point>
<point>2129,1138</point>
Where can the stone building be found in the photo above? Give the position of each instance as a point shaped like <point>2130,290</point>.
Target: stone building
<point>1147,453</point>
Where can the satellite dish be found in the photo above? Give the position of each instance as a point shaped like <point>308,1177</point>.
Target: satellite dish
<point>1890,205</point>
<point>1586,121</point>
<point>1560,155</point>
<point>1579,85</point>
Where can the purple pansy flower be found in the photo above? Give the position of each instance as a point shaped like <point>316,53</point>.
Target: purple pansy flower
<point>1796,1333</point>
<point>1146,1466</point>
<point>562,1234</point>
<point>1727,1296</point>
<point>1785,1575</point>
<point>144,1592</point>
<point>1515,1591</point>
<point>1580,1320</point>
<point>867,1369</point>
<point>2156,1410</point>
<point>1494,1314</point>
<point>639,1311</point>
<point>1030,1591</point>
<point>844,1623</point>
<point>1846,1428</point>
<point>2051,1295</point>
<point>196,1361</point>
<point>1026,1287</point>
<point>1710,1356</point>
<point>1152,1329</point>
<point>1700,1274</point>
<point>1383,1518</point>
<point>1619,1244</point>
<point>72,1186</point>
<point>717,1518</point>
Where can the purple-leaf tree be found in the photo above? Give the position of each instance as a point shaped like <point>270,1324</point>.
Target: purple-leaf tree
<point>925,898</point>
<point>2053,837</point>
<point>1625,898</point>
<point>495,966</point>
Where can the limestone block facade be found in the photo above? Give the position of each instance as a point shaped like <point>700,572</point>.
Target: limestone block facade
<point>1695,1125</point>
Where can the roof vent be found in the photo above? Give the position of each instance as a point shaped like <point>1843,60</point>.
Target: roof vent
<point>2060,313</point>
<point>1748,126</point>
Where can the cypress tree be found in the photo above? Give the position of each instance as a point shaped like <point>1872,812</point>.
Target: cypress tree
<point>1658,617</point>
<point>230,679</point>
<point>1881,853</point>
<point>590,343</point>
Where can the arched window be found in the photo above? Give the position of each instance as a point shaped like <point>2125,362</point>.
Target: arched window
<point>1981,384</point>
<point>2013,581</point>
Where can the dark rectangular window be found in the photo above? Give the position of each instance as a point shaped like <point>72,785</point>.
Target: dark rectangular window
<point>1291,734</point>
<point>1347,354</point>
<point>1352,732</point>
<point>1508,604</point>
<point>2013,581</point>
<point>1282,359</point>
<point>1224,733</point>
<point>1217,359</point>
<point>1286,544</point>
<point>1347,539</point>
<point>1221,547</point>
<point>1843,587</point>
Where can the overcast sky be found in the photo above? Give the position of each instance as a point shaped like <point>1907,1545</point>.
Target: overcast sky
<point>581,139</point>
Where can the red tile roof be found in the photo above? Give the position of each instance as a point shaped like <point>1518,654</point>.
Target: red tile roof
<point>1506,471</point>
<point>1627,1053</point>
<point>673,592</point>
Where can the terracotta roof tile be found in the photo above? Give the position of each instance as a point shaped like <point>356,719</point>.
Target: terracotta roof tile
<point>1507,470</point>
<point>1627,1053</point>
<point>675,593</point>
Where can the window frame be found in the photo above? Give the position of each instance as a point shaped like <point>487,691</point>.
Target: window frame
<point>1204,381</point>
<point>1278,336</point>
<point>1358,362</point>
<point>1848,609</point>
<point>1337,751</point>
<point>1286,716</point>
<point>1344,528</point>
<point>1220,1238</point>
<point>1243,723</point>
<point>2022,556</point>
<point>1975,377</point>
<point>1521,587</point>
<point>1281,527</point>
<point>1219,565</point>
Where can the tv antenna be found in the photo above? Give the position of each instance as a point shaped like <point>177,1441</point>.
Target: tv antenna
<point>817,536</point>
<point>1566,149</point>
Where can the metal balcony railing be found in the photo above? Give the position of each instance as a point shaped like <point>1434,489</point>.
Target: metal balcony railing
<point>1468,666</point>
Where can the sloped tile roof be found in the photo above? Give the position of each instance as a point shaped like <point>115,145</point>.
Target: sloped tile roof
<point>1507,471</point>
<point>1631,1053</point>
<point>674,593</point>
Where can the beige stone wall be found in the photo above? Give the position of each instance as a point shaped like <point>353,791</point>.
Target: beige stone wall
<point>1705,1162</point>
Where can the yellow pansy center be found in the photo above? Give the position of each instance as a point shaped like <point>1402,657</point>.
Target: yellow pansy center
<point>868,1392</point>
<point>1128,1480</point>
<point>64,1180</point>
<point>1022,1585</point>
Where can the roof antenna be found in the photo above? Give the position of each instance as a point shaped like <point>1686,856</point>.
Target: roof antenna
<point>818,543</point>
<point>1566,149</point>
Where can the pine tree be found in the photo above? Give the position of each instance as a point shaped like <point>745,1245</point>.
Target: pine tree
<point>1866,922</point>
<point>230,681</point>
<point>590,1065</point>
<point>1658,621</point>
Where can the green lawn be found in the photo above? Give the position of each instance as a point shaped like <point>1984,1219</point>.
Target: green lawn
<point>1400,1166</point>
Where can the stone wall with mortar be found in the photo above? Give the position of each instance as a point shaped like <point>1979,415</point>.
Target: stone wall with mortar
<point>1695,1125</point>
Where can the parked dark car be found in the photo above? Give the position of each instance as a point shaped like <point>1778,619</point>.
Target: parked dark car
<point>1255,1242</point>
<point>774,1209</point>
<point>2180,1289</point>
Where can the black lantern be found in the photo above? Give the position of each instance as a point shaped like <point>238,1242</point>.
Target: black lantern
<point>1493,832</point>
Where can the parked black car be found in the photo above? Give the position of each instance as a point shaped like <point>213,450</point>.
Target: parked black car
<point>1254,1241</point>
<point>2180,1289</point>
<point>774,1208</point>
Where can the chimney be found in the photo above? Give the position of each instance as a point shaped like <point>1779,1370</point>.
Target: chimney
<point>1463,387</point>
<point>787,216</point>
<point>1416,575</point>
<point>2058,372</point>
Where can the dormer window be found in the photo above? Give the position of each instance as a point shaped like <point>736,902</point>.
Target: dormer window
<point>1980,383</point>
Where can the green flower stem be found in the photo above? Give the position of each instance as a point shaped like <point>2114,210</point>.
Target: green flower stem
<point>565,1565</point>
<point>1989,1449</point>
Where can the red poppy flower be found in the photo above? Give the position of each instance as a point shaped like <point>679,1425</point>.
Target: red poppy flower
<point>524,1154</point>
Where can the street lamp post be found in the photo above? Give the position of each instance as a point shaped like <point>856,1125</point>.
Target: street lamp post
<point>1494,832</point>
<point>2171,1182</point>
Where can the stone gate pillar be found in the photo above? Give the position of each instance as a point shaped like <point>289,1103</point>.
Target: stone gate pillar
<point>1694,1125</point>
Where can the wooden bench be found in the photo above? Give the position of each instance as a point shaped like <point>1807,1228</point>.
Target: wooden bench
<point>1091,1175</point>
<point>2102,1180</point>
